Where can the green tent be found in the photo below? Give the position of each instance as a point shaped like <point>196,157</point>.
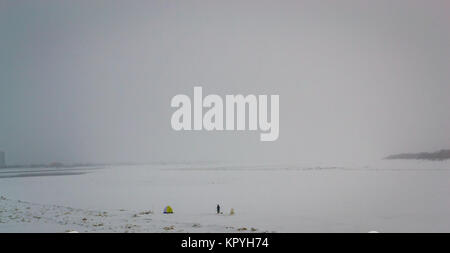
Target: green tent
<point>168,209</point>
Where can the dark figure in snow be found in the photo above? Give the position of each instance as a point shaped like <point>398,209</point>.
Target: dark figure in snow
<point>218,209</point>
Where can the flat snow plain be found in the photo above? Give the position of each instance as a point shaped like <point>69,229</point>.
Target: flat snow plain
<point>386,196</point>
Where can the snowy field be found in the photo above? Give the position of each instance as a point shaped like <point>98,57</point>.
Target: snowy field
<point>386,196</point>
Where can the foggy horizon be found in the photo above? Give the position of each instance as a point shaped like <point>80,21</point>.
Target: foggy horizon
<point>92,81</point>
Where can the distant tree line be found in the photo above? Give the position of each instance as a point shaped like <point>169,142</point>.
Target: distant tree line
<point>435,156</point>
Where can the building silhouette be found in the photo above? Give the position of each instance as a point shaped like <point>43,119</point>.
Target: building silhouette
<point>2,159</point>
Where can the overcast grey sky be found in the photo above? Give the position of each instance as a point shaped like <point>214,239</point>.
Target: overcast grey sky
<point>91,81</point>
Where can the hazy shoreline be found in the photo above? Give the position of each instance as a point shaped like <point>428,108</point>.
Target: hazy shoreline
<point>440,155</point>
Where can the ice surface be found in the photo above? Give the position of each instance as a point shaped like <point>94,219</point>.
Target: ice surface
<point>385,196</point>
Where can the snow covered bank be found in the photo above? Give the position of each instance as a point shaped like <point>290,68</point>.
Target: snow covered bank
<point>23,216</point>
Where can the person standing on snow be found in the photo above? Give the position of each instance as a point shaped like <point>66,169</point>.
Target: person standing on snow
<point>218,209</point>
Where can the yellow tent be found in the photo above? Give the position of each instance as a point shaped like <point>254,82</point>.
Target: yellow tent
<point>168,209</point>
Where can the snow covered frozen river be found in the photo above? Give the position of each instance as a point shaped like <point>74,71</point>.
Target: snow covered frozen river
<point>386,196</point>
